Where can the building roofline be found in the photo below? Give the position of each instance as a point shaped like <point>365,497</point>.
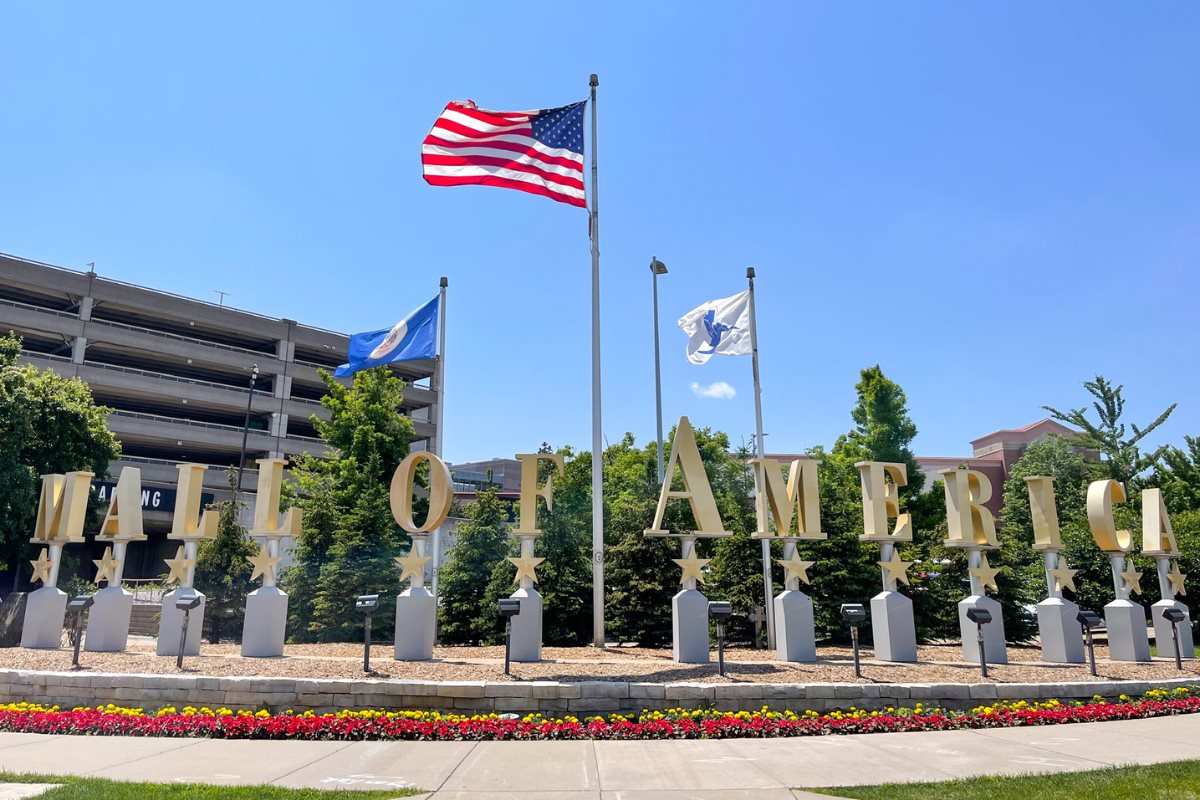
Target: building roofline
<point>1060,429</point>
<point>219,306</point>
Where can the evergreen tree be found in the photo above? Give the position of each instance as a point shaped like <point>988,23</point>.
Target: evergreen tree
<point>736,573</point>
<point>883,430</point>
<point>480,545</point>
<point>1121,451</point>
<point>361,560</point>
<point>641,580</point>
<point>565,577</point>
<point>1187,536</point>
<point>349,540</point>
<point>1022,580</point>
<point>846,569</point>
<point>223,572</point>
<point>1178,475</point>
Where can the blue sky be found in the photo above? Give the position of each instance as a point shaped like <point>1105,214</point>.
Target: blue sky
<point>993,201</point>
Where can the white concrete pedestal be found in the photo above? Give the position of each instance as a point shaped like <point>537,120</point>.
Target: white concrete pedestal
<point>1162,631</point>
<point>689,626</point>
<point>993,632</point>
<point>108,621</point>
<point>1126,623</point>
<point>44,612</point>
<point>170,624</point>
<point>526,643</point>
<point>1059,631</point>
<point>795,638</point>
<point>265,625</point>
<point>416,613</point>
<point>892,627</point>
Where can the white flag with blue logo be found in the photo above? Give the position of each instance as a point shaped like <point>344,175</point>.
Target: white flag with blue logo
<point>412,338</point>
<point>718,328</point>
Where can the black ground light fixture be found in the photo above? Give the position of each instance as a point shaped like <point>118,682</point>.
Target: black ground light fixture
<point>1089,620</point>
<point>78,605</point>
<point>855,614</point>
<point>1174,616</point>
<point>720,611</point>
<point>367,603</point>
<point>509,608</point>
<point>981,617</point>
<point>185,603</point>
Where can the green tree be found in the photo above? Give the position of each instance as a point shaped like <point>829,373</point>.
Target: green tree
<point>883,430</point>
<point>1178,475</point>
<point>481,542</point>
<point>736,572</point>
<point>48,424</point>
<point>640,578</point>
<point>223,572</point>
<point>348,541</point>
<point>1023,579</point>
<point>565,577</point>
<point>1187,536</point>
<point>845,570</point>
<point>1108,435</point>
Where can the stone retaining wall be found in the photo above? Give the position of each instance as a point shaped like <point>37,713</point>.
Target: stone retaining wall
<point>552,698</point>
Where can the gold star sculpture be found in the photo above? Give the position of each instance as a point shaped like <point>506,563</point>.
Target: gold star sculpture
<point>412,566</point>
<point>795,567</point>
<point>179,565</point>
<point>1176,578</point>
<point>692,567</point>
<point>264,563</point>
<point>896,569</point>
<point>1133,579</point>
<point>1064,576</point>
<point>525,567</point>
<point>986,573</point>
<point>42,567</point>
<point>106,567</point>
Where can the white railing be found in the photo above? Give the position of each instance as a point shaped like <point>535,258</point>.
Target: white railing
<point>191,422</point>
<point>168,377</point>
<point>39,309</point>
<point>49,356</point>
<point>181,338</point>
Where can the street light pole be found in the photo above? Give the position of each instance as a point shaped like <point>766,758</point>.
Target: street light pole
<point>237,490</point>
<point>658,268</point>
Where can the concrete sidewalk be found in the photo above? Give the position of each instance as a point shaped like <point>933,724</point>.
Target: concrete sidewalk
<point>763,769</point>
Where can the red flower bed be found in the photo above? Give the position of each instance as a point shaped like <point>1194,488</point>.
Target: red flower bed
<point>672,724</point>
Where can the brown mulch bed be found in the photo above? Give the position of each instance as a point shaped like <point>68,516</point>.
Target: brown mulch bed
<point>938,664</point>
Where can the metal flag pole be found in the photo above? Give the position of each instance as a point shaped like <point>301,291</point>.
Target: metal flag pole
<point>438,449</point>
<point>597,433</point>
<point>760,452</point>
<point>237,490</point>
<point>658,268</point>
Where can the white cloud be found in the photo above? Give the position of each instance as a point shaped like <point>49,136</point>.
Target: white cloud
<point>716,391</point>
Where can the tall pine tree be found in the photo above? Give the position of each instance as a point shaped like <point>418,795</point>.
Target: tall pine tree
<point>639,582</point>
<point>349,540</point>
<point>223,572</point>
<point>480,544</point>
<point>845,569</point>
<point>565,577</point>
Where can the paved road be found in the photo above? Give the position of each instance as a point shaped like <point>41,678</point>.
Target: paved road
<point>705,770</point>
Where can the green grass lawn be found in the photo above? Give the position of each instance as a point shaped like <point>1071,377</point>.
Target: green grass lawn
<point>1179,780</point>
<point>96,789</point>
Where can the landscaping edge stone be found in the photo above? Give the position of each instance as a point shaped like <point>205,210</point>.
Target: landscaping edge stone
<point>552,698</point>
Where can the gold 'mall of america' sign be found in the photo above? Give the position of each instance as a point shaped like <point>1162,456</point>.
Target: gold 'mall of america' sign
<point>791,503</point>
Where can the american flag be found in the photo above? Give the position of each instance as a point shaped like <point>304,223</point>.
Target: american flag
<point>540,152</point>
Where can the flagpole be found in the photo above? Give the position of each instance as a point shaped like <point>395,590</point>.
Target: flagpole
<point>760,452</point>
<point>597,432</point>
<point>438,448</point>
